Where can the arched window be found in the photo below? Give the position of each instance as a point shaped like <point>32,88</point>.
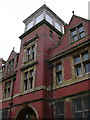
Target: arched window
<point>26,114</point>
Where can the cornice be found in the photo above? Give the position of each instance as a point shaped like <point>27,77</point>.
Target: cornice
<point>7,76</point>
<point>29,65</point>
<point>38,25</point>
<point>30,41</point>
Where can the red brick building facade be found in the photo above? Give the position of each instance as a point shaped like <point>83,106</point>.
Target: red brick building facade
<point>49,77</point>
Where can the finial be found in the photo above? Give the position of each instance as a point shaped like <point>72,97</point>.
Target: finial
<point>73,12</point>
<point>44,1</point>
<point>13,48</point>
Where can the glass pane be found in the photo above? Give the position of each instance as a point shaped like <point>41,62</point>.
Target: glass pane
<point>85,56</point>
<point>33,48</point>
<point>87,115</point>
<point>49,19</point>
<point>60,117</point>
<point>80,29</point>
<point>6,84</point>
<point>28,51</point>
<point>30,83</point>
<point>78,70</point>
<point>58,67</point>
<point>75,38</point>
<point>86,102</point>
<point>31,73</point>
<point>57,26</point>
<point>77,59</point>
<point>82,35</point>
<point>78,115</point>
<point>59,77</point>
<point>60,108</point>
<point>87,67</point>
<point>27,116</point>
<point>78,105</point>
<point>73,32</point>
<point>5,91</point>
<point>39,18</point>
<point>26,75</point>
<point>25,85</point>
<point>8,92</point>
<point>30,25</point>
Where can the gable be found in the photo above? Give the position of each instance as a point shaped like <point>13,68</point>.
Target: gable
<point>75,20</point>
<point>13,54</point>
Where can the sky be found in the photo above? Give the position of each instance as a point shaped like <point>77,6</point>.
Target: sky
<point>13,12</point>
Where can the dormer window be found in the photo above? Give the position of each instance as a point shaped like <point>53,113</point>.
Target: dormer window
<point>77,33</point>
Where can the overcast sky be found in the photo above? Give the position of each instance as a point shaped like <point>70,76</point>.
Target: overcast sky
<point>13,12</point>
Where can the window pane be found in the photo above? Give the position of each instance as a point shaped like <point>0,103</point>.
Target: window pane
<point>30,25</point>
<point>77,59</point>
<point>59,77</point>
<point>57,26</point>
<point>26,75</point>
<point>39,18</point>
<point>87,67</point>
<point>73,32</point>
<point>6,84</point>
<point>77,105</point>
<point>25,84</point>
<point>28,51</point>
<point>80,29</point>
<point>49,19</point>
<point>78,115</point>
<point>60,117</point>
<point>85,56</point>
<point>30,83</point>
<point>33,51</point>
<point>87,115</point>
<point>86,102</point>
<point>75,38</point>
<point>58,67</point>
<point>31,73</point>
<point>33,48</point>
<point>60,108</point>
<point>27,116</point>
<point>78,70</point>
<point>5,92</point>
<point>82,35</point>
<point>8,92</point>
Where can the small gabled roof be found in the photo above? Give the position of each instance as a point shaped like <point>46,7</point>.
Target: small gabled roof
<point>75,16</point>
<point>12,55</point>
